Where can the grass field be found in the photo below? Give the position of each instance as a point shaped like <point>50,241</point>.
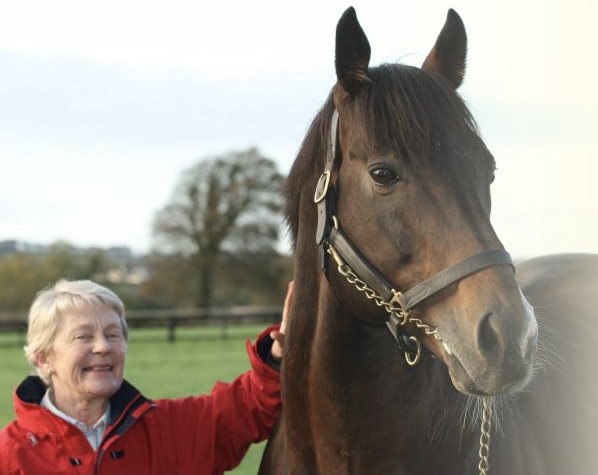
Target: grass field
<point>159,369</point>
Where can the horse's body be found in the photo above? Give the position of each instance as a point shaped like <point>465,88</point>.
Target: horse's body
<point>407,185</point>
<point>552,426</point>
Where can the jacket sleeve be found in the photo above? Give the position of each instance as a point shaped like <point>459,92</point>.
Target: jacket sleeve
<point>217,429</point>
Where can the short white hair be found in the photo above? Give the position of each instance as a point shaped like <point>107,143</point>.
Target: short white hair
<point>52,303</point>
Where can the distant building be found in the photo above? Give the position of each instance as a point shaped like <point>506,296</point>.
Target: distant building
<point>12,246</point>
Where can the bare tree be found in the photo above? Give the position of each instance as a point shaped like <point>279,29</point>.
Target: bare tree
<point>223,203</point>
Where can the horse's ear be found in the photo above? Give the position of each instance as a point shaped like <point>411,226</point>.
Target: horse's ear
<point>448,55</point>
<point>352,53</point>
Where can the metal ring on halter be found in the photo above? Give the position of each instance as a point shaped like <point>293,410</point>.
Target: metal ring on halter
<point>415,360</point>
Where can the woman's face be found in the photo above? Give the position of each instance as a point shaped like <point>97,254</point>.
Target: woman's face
<point>87,359</point>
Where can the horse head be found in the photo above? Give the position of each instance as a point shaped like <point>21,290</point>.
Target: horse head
<point>411,177</point>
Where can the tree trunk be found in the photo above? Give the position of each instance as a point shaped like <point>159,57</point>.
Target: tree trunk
<point>205,275</point>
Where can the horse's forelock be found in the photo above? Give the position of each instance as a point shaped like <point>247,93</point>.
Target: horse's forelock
<point>415,113</point>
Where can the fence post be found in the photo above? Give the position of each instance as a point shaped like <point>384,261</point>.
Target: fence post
<point>171,328</point>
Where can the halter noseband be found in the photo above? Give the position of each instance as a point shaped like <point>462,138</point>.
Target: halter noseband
<point>358,271</point>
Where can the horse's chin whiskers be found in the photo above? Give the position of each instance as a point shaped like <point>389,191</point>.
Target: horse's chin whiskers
<point>473,410</point>
<point>546,357</point>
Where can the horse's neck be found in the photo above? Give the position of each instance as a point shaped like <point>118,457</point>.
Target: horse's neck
<point>357,393</point>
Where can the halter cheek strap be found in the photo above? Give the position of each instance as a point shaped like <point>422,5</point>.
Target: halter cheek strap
<point>333,241</point>
<point>324,196</point>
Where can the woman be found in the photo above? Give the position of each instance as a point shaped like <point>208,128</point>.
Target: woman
<point>79,416</point>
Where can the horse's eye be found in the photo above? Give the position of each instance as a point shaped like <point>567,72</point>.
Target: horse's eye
<point>383,176</point>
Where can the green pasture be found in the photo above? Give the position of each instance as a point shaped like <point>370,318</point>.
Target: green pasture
<point>160,369</point>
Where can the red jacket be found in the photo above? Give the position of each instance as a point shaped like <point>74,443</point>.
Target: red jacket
<point>194,435</point>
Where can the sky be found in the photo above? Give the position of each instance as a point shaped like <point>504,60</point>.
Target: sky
<point>104,105</point>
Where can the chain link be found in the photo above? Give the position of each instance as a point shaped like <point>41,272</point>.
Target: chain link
<point>484,466</point>
<point>403,315</point>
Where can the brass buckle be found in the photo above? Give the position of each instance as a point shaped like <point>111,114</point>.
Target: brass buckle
<point>319,196</point>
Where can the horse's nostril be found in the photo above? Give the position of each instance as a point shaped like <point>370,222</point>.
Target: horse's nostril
<point>488,335</point>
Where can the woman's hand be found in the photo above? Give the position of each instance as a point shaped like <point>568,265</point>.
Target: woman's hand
<point>278,336</point>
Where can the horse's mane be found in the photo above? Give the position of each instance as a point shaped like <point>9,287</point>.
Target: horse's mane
<point>415,114</point>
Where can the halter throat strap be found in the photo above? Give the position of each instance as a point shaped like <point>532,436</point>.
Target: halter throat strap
<point>409,299</point>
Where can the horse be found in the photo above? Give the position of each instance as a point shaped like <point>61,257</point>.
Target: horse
<point>411,345</point>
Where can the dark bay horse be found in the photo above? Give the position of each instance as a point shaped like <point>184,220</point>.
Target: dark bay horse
<point>409,330</point>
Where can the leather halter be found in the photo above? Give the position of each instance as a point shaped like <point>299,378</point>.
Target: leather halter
<point>329,234</point>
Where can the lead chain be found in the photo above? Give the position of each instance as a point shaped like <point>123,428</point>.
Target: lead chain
<point>403,315</point>
<point>484,466</point>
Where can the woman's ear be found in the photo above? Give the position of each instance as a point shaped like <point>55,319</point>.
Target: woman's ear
<point>44,364</point>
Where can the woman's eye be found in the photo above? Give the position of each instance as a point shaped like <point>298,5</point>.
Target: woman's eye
<point>383,176</point>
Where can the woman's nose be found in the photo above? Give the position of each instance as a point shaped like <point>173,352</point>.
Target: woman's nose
<point>101,344</point>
